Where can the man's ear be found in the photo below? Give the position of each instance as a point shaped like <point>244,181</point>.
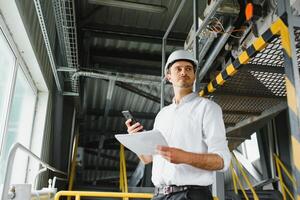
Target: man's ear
<point>168,77</point>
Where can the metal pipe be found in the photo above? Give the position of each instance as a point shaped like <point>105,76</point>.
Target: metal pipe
<point>45,192</point>
<point>116,78</point>
<point>195,39</point>
<point>195,20</point>
<point>162,85</point>
<point>47,42</point>
<point>10,162</point>
<point>57,178</point>
<point>36,176</point>
<point>74,161</point>
<point>206,20</point>
<point>174,19</point>
<point>71,138</point>
<point>214,54</point>
<point>205,48</point>
<point>163,60</point>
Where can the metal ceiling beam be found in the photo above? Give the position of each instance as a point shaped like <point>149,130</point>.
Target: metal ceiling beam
<point>132,34</point>
<point>144,115</point>
<point>140,92</point>
<point>125,54</point>
<point>109,157</point>
<point>250,125</point>
<point>107,133</point>
<point>95,144</point>
<point>110,90</point>
<point>117,113</point>
<point>125,68</point>
<point>131,5</point>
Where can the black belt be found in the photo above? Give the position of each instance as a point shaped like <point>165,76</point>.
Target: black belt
<point>173,188</point>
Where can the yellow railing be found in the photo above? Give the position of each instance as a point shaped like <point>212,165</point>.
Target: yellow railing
<point>79,194</point>
<point>123,174</point>
<point>74,162</point>
<point>236,180</point>
<point>284,189</point>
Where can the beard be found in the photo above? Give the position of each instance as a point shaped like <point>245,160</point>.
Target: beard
<point>184,84</point>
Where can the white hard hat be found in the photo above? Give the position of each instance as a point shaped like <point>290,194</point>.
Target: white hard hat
<point>180,55</point>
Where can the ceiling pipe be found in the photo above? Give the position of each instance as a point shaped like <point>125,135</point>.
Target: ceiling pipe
<point>163,57</point>
<point>206,20</point>
<point>115,77</point>
<point>130,5</point>
<point>214,54</point>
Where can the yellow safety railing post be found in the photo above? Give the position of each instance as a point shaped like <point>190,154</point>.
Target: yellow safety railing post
<point>233,178</point>
<point>124,170</point>
<point>74,162</point>
<point>121,184</point>
<point>236,180</point>
<point>284,189</point>
<point>280,179</point>
<point>245,178</point>
<point>123,174</point>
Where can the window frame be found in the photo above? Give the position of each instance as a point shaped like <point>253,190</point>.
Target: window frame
<point>18,65</point>
<point>8,101</point>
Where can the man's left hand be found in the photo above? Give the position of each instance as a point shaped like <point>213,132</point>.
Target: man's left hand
<point>172,154</point>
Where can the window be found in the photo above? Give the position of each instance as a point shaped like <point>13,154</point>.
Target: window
<point>18,99</point>
<point>7,63</point>
<point>20,123</point>
<point>250,148</point>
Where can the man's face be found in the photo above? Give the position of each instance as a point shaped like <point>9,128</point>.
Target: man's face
<point>181,74</point>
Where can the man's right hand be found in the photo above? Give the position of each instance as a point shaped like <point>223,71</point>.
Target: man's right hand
<point>133,128</point>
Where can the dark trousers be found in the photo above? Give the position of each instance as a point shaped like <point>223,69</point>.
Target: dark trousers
<point>189,194</point>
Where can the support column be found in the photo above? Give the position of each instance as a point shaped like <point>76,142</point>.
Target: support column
<point>293,90</point>
<point>218,186</point>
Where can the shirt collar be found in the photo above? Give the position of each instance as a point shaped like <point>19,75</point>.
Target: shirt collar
<point>186,98</point>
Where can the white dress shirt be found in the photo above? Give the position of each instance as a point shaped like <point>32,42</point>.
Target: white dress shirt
<point>194,125</point>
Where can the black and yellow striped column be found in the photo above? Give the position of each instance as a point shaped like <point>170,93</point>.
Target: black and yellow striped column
<point>279,27</point>
<point>291,79</point>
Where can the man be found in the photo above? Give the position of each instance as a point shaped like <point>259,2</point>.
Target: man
<point>195,132</point>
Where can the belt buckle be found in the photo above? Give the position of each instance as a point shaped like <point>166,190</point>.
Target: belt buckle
<point>167,190</point>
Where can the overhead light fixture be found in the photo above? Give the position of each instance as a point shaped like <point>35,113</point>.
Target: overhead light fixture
<point>130,5</point>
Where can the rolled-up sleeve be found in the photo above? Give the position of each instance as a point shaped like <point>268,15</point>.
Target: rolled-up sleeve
<point>214,133</point>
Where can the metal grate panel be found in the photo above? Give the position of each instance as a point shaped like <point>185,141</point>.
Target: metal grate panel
<point>297,41</point>
<point>256,87</point>
<point>246,104</point>
<point>272,55</point>
<point>66,28</point>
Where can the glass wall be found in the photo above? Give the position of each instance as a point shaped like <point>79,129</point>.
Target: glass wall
<point>7,64</point>
<point>18,99</point>
<point>249,148</point>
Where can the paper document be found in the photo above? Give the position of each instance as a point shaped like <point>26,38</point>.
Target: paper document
<point>142,143</point>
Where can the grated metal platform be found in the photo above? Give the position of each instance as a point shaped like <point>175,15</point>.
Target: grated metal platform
<point>258,86</point>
